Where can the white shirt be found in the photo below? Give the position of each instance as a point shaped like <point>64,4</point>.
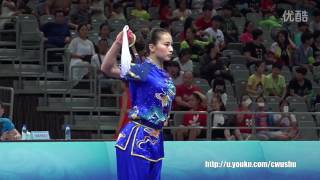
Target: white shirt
<point>81,47</point>
<point>182,15</point>
<point>188,66</point>
<point>217,35</point>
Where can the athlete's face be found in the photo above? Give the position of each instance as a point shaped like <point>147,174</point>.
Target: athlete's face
<point>163,48</point>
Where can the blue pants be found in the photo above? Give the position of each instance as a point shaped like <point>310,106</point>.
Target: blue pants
<point>135,168</point>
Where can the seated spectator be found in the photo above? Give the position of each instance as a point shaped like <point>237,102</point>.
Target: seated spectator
<point>139,12</point>
<point>246,36</point>
<point>8,132</point>
<point>193,120</point>
<point>263,119</point>
<point>304,53</point>
<point>285,119</point>
<point>184,60</point>
<point>97,9</point>
<point>182,13</point>
<point>197,47</point>
<point>96,59</point>
<point>256,81</point>
<point>215,32</point>
<point>188,23</point>
<point>218,87</point>
<point>53,5</point>
<point>283,48</point>
<point>204,21</point>
<point>82,14</point>
<point>81,50</point>
<point>275,83</point>
<point>57,33</point>
<point>245,120</point>
<point>302,28</point>
<point>267,6</point>
<point>255,51</point>
<point>117,12</point>
<point>212,67</point>
<point>269,21</point>
<point>300,86</point>
<point>184,91</point>
<point>315,23</point>
<point>316,48</point>
<point>174,70</point>
<point>8,8</point>
<point>218,119</point>
<point>229,27</point>
<point>104,33</point>
<point>165,11</point>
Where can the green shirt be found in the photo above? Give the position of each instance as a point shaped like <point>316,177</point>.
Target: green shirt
<point>274,85</point>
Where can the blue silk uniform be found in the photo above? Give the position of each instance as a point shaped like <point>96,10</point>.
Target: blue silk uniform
<point>140,143</point>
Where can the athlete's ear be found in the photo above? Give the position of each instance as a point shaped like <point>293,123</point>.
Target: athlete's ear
<point>152,48</point>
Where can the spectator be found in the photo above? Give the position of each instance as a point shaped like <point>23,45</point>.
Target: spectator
<point>212,67</point>
<point>245,120</point>
<point>97,9</point>
<point>302,28</point>
<point>218,87</point>
<point>81,50</point>
<point>7,129</point>
<point>283,48</point>
<point>188,23</point>
<point>316,48</point>
<point>117,12</point>
<point>8,8</point>
<point>61,5</point>
<point>96,59</point>
<point>229,27</point>
<point>218,119</point>
<point>275,83</point>
<point>267,6</point>
<point>285,119</point>
<point>215,32</point>
<point>246,36</point>
<point>300,86</point>
<point>315,23</point>
<point>104,33</point>
<point>263,119</point>
<point>184,92</point>
<point>82,15</point>
<point>256,81</point>
<point>197,47</point>
<point>204,21</point>
<point>165,11</point>
<point>182,13</point>
<point>184,60</point>
<point>174,70</point>
<point>255,51</point>
<point>192,119</point>
<point>57,33</point>
<point>304,53</point>
<point>139,12</point>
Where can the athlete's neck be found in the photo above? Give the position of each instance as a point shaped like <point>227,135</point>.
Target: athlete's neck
<point>156,61</point>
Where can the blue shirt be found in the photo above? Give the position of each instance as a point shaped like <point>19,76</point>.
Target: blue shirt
<point>56,33</point>
<point>6,125</point>
<point>152,92</point>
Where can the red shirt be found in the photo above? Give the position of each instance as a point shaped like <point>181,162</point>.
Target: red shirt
<point>202,24</point>
<point>266,4</point>
<point>195,119</point>
<point>165,12</point>
<point>246,37</point>
<point>184,92</point>
<point>245,122</point>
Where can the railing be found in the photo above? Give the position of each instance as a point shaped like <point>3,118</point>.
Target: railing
<point>209,128</point>
<point>3,95</point>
